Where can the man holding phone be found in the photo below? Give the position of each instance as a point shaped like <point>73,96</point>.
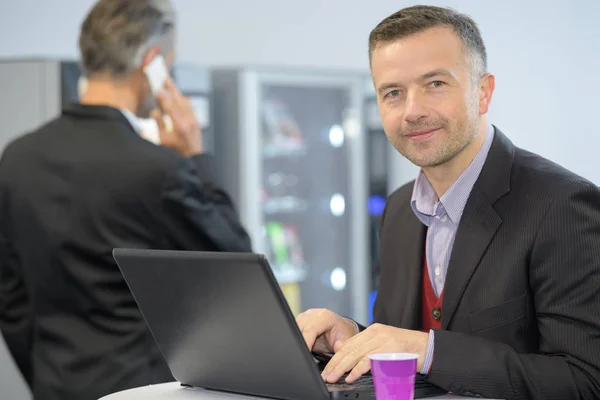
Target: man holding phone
<point>88,182</point>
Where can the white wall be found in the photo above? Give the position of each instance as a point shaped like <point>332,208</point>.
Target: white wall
<point>545,54</point>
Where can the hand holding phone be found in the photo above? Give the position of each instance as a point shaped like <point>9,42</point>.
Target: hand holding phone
<point>157,74</point>
<point>178,127</point>
<point>184,134</point>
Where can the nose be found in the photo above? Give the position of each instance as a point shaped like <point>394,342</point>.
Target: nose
<point>414,107</point>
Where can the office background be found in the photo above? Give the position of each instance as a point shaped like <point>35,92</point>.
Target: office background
<point>545,55</point>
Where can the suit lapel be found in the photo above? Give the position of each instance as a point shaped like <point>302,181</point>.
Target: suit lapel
<point>478,224</point>
<point>475,232</point>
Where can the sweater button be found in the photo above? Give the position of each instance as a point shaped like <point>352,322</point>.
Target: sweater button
<point>436,313</point>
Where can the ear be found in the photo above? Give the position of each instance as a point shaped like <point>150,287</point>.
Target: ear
<point>487,84</point>
<point>149,56</point>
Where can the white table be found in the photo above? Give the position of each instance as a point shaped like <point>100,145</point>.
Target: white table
<point>174,391</point>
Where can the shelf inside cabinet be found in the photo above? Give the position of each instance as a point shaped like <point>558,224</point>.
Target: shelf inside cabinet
<point>289,273</point>
<point>284,205</point>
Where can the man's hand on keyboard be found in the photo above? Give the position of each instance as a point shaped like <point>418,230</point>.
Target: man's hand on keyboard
<point>353,356</point>
<point>324,331</point>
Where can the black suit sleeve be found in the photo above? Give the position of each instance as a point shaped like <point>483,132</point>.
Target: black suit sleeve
<point>15,311</point>
<point>198,212</point>
<point>16,318</point>
<point>565,280</point>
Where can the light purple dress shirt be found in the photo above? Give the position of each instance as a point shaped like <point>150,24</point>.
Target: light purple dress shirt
<point>442,217</point>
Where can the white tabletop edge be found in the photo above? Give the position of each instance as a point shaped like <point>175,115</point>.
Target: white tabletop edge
<point>174,391</point>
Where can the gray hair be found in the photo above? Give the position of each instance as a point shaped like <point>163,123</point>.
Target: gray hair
<point>415,19</point>
<point>116,34</point>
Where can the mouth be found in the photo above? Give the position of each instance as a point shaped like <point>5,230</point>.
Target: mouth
<point>419,136</point>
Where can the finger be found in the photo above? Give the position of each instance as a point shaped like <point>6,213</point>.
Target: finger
<point>158,117</point>
<point>168,121</point>
<point>337,366</point>
<point>310,337</point>
<point>173,92</point>
<point>300,319</point>
<point>337,345</point>
<point>187,104</point>
<point>165,103</point>
<point>363,366</point>
<point>349,355</point>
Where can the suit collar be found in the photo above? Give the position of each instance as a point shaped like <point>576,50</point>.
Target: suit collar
<point>97,112</point>
<point>494,179</point>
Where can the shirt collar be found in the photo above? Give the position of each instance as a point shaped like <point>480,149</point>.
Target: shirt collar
<point>425,202</point>
<point>133,120</point>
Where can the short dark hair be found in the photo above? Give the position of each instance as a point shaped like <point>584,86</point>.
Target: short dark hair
<point>416,19</point>
<point>116,34</point>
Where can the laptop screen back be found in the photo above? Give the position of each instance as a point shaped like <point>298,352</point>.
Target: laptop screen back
<point>221,322</point>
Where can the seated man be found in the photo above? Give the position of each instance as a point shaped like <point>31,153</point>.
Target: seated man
<point>490,259</point>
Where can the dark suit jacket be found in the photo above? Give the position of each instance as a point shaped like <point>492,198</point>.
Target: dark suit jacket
<point>521,309</point>
<point>70,193</point>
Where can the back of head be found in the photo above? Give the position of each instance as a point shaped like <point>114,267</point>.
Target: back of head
<point>416,19</point>
<point>116,34</point>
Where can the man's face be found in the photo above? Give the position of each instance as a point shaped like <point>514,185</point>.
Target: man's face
<point>429,106</point>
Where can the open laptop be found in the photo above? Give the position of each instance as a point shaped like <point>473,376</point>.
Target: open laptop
<point>222,323</point>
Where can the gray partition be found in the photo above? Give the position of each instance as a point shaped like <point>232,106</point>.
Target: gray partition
<point>30,96</point>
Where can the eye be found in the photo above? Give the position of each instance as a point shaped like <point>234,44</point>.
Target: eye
<point>393,93</point>
<point>437,84</point>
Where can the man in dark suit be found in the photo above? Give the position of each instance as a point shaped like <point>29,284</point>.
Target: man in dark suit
<point>86,183</point>
<point>490,259</point>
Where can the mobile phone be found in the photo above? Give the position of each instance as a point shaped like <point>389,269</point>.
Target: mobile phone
<point>157,73</point>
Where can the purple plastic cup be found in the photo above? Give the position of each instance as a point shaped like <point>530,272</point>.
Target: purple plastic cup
<point>394,375</point>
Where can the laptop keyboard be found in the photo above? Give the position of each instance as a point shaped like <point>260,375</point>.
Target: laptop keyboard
<point>365,381</point>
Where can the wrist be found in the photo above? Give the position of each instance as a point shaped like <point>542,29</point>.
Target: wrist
<point>422,349</point>
<point>193,150</point>
<point>191,153</point>
<point>352,327</point>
